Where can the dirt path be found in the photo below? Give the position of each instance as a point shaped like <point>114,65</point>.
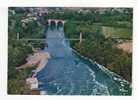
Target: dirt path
<point>125,46</point>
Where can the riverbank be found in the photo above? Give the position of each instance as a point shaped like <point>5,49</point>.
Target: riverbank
<point>112,58</point>
<point>106,70</point>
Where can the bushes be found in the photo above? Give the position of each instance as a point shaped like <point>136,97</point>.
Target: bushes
<point>70,29</point>
<point>32,29</point>
<point>16,56</point>
<point>19,50</point>
<point>15,86</point>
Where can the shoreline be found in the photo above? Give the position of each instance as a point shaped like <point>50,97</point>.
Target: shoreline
<point>100,66</point>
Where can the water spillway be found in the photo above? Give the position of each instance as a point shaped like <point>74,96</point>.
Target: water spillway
<point>68,73</point>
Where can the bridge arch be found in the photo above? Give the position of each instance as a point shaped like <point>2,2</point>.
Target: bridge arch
<point>60,24</point>
<point>56,22</point>
<point>53,23</point>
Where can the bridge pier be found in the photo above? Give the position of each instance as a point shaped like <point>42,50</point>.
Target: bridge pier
<point>80,38</point>
<point>18,36</point>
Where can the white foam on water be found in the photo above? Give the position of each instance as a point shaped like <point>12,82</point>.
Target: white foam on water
<point>92,73</point>
<point>59,90</point>
<point>43,93</point>
<point>72,88</point>
<point>103,87</point>
<point>111,74</point>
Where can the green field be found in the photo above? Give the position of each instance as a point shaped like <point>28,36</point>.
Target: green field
<point>117,32</point>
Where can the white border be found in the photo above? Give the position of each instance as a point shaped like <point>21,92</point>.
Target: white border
<point>67,3</point>
<point>72,3</point>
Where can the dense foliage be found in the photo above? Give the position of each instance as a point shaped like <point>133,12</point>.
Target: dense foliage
<point>19,50</point>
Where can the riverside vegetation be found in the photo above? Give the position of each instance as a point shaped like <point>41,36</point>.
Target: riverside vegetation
<point>19,50</point>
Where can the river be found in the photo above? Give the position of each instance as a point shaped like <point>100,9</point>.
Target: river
<point>68,73</point>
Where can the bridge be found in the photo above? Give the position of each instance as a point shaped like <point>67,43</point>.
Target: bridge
<point>80,39</point>
<point>35,39</point>
<point>56,22</point>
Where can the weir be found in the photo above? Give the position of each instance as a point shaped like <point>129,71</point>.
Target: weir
<point>68,73</point>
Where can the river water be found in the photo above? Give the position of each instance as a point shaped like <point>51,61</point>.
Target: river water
<point>68,73</point>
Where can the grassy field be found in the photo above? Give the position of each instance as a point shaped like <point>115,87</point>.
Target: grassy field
<point>117,32</point>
